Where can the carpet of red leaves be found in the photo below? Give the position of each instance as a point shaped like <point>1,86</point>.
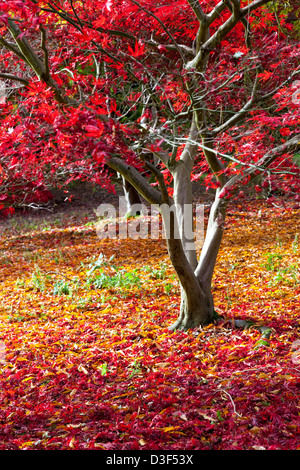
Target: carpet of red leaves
<point>96,368</point>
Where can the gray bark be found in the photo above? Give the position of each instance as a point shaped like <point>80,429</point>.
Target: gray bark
<point>197,306</point>
<point>133,200</point>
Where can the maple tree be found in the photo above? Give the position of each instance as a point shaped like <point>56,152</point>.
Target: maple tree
<point>162,94</point>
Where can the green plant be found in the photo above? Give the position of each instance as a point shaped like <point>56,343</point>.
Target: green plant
<point>122,278</point>
<point>98,264</point>
<point>233,266</point>
<point>38,280</point>
<point>278,241</point>
<point>20,282</point>
<point>37,256</point>
<point>82,302</point>
<point>289,274</point>
<point>58,258</point>
<point>273,260</point>
<point>168,288</point>
<point>135,368</point>
<point>159,273</point>
<point>228,296</point>
<point>61,288</point>
<point>295,243</point>
<point>103,275</point>
<point>104,368</point>
<point>283,272</point>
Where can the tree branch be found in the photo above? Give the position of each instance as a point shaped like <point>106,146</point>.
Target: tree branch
<point>9,76</point>
<point>170,47</point>
<point>223,30</point>
<point>253,6</point>
<point>291,145</point>
<point>240,114</point>
<point>215,164</point>
<point>234,7</point>
<point>45,50</point>
<point>190,149</point>
<point>160,179</point>
<point>80,23</point>
<point>33,60</point>
<point>26,49</point>
<point>11,47</point>
<point>216,12</point>
<point>135,179</point>
<point>197,9</point>
<point>243,111</point>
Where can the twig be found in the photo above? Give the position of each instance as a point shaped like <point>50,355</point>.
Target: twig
<point>59,274</point>
<point>162,25</point>
<point>232,402</point>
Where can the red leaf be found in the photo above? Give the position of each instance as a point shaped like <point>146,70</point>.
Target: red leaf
<point>285,131</point>
<point>94,131</point>
<point>264,76</point>
<point>99,22</point>
<point>139,49</point>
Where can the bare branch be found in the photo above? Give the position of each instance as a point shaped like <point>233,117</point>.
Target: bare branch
<point>31,58</point>
<point>170,47</point>
<point>63,14</point>
<point>216,12</point>
<point>158,175</point>
<point>162,156</point>
<point>291,145</point>
<point>75,13</point>
<point>234,7</point>
<point>135,179</point>
<point>25,48</point>
<point>45,50</point>
<point>241,113</point>
<point>253,6</point>
<point>223,30</point>
<point>195,5</point>
<point>190,150</point>
<point>283,84</point>
<point>247,107</point>
<point>13,48</point>
<point>9,76</point>
<point>212,159</point>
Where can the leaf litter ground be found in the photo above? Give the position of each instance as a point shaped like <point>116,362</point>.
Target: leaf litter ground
<point>87,360</point>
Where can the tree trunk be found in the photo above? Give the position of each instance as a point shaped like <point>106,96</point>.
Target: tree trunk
<point>195,309</point>
<point>183,199</point>
<point>133,200</point>
<point>197,305</point>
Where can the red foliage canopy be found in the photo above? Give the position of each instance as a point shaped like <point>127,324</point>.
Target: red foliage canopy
<point>86,81</point>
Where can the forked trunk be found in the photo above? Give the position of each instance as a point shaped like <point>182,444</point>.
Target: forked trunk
<point>197,305</point>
